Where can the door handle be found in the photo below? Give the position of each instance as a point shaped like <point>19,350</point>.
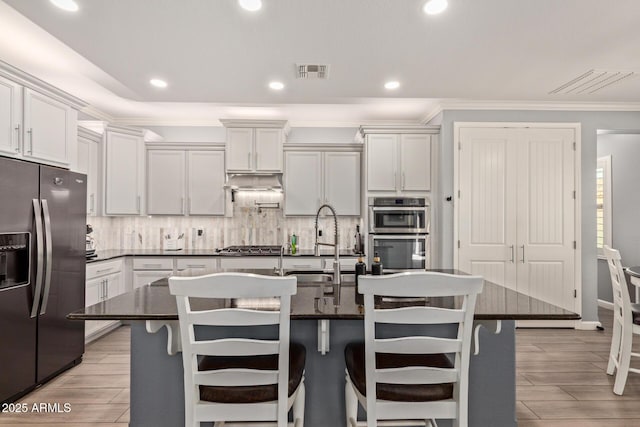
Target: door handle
<point>106,288</point>
<point>403,180</point>
<point>513,255</point>
<point>49,259</point>
<point>249,160</point>
<point>18,138</point>
<point>37,294</point>
<point>138,204</point>
<point>181,205</point>
<point>30,132</point>
<point>522,253</point>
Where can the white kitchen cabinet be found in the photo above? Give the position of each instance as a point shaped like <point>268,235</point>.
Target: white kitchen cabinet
<point>239,149</point>
<point>49,128</point>
<point>260,262</point>
<point>303,263</point>
<point>313,178</point>
<point>166,182</point>
<point>254,145</point>
<point>342,182</point>
<point>10,118</point>
<point>124,173</point>
<point>205,182</point>
<point>398,162</point>
<point>146,277</point>
<point>197,264</point>
<point>303,182</point>
<point>88,164</point>
<point>104,280</point>
<point>185,182</point>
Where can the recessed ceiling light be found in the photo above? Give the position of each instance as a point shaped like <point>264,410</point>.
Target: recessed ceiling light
<point>250,5</point>
<point>433,7</point>
<point>158,83</point>
<point>392,85</point>
<point>68,5</point>
<point>276,85</point>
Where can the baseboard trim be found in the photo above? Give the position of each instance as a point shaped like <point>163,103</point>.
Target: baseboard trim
<point>100,332</point>
<point>605,304</point>
<point>588,325</point>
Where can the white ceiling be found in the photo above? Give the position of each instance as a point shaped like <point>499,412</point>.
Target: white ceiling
<point>219,58</point>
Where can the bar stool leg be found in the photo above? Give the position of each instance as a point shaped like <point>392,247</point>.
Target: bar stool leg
<point>351,403</point>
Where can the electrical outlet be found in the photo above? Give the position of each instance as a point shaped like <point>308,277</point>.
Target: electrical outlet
<point>200,232</point>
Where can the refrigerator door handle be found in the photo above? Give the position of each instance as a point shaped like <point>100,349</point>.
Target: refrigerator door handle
<point>37,293</point>
<point>49,259</point>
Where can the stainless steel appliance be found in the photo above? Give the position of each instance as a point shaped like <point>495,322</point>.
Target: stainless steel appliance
<point>42,273</point>
<point>244,250</point>
<point>399,215</point>
<point>399,232</point>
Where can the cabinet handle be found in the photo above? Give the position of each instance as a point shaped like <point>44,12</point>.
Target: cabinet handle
<point>152,265</point>
<point>403,180</point>
<point>182,205</point>
<point>249,159</point>
<point>138,204</point>
<point>196,266</point>
<point>395,179</point>
<point>103,271</point>
<point>512,254</point>
<point>257,159</point>
<point>188,205</point>
<point>30,132</point>
<point>18,138</point>
<point>523,254</point>
<point>106,288</point>
<point>102,290</point>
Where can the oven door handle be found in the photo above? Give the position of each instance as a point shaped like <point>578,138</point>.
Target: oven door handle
<point>421,236</point>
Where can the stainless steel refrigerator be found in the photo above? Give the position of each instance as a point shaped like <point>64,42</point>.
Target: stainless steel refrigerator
<point>42,273</point>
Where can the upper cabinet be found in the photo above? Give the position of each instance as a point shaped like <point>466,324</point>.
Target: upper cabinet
<point>398,160</point>
<point>185,182</point>
<point>313,178</point>
<point>35,126</point>
<point>89,144</point>
<point>254,145</point>
<point>124,172</point>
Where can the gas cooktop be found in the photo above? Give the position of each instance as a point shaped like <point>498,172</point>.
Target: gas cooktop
<point>267,250</point>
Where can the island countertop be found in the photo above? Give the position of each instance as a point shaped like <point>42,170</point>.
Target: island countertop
<point>154,302</point>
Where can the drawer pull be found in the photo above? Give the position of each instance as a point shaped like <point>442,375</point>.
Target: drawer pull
<point>196,266</point>
<point>104,270</point>
<point>152,265</point>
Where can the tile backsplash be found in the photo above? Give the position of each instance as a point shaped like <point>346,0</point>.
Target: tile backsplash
<point>249,225</point>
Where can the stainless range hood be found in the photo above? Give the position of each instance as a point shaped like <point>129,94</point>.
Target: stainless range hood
<point>248,182</point>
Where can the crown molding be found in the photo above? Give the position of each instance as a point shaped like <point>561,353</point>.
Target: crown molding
<point>32,82</point>
<point>125,129</point>
<point>97,114</point>
<point>386,129</point>
<point>87,133</point>
<point>250,123</point>
<point>534,105</point>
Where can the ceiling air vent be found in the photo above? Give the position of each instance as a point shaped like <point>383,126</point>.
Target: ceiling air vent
<point>593,81</point>
<point>312,71</point>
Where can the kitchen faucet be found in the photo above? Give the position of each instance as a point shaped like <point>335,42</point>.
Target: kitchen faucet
<point>336,249</point>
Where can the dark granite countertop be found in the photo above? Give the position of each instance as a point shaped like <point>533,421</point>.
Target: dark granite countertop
<point>633,271</point>
<point>105,255</point>
<point>154,302</point>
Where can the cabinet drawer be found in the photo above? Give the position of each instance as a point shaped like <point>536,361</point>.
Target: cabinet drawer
<point>302,263</point>
<point>146,277</point>
<point>165,263</point>
<point>249,262</point>
<point>198,263</point>
<point>98,269</point>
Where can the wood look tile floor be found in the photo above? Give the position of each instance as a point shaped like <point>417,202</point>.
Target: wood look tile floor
<point>560,382</point>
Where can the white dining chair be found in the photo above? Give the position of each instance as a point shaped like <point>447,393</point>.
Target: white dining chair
<point>418,378</point>
<point>626,323</point>
<point>239,379</point>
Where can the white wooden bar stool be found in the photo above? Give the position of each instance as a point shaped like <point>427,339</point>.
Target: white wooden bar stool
<point>626,323</point>
<point>411,377</point>
<point>239,379</point>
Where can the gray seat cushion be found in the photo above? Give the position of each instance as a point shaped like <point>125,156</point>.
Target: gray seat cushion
<point>252,394</point>
<point>354,357</point>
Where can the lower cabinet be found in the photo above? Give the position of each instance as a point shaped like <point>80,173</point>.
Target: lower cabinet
<point>105,280</point>
<point>147,270</point>
<point>146,277</point>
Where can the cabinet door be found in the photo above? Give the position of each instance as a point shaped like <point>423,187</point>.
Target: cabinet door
<point>303,182</point>
<point>342,182</point>
<point>10,117</point>
<point>88,165</point>
<point>123,158</point>
<point>381,162</point>
<point>94,291</point>
<point>415,162</point>
<point>165,182</point>
<point>49,127</point>
<point>114,286</point>
<point>239,150</point>
<point>268,150</point>
<point>206,182</point>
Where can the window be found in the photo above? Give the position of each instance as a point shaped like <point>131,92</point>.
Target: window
<point>603,203</point>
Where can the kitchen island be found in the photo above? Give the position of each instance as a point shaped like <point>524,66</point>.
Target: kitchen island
<point>157,395</point>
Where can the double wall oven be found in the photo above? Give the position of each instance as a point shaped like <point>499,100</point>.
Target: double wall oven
<point>399,232</point>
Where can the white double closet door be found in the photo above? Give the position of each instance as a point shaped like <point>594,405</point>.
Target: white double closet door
<point>516,209</point>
